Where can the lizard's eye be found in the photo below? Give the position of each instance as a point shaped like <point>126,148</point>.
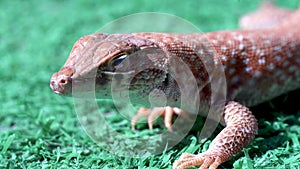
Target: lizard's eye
<point>116,61</point>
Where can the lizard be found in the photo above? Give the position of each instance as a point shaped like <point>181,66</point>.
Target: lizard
<point>258,65</point>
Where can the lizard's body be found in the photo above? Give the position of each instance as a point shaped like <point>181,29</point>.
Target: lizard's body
<point>259,65</point>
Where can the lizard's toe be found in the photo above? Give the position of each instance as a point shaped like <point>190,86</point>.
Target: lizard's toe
<point>205,159</point>
<point>153,113</point>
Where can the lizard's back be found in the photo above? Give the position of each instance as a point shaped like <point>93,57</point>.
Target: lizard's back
<point>268,62</point>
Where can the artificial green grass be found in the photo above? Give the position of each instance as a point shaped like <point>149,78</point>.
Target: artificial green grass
<point>39,129</point>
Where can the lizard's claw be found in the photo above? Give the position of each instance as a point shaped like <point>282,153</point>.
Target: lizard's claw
<point>151,114</point>
<point>206,159</point>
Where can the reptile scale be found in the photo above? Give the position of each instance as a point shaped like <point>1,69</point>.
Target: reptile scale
<point>259,65</point>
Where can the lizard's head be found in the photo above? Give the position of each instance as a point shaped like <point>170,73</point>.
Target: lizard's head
<point>99,57</point>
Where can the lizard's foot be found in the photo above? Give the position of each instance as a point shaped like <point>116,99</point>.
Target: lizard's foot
<point>206,159</point>
<point>241,127</point>
<point>151,114</point>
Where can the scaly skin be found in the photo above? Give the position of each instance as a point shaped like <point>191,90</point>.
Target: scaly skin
<point>258,64</point>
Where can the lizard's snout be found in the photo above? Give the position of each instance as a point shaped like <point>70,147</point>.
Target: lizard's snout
<point>61,84</point>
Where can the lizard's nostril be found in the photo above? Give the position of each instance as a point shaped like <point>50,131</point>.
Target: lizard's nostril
<point>63,81</point>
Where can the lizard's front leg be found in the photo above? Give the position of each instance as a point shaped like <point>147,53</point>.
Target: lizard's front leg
<point>241,127</point>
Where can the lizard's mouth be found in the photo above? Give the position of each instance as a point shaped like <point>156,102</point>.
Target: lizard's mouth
<point>109,77</point>
<point>62,84</point>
